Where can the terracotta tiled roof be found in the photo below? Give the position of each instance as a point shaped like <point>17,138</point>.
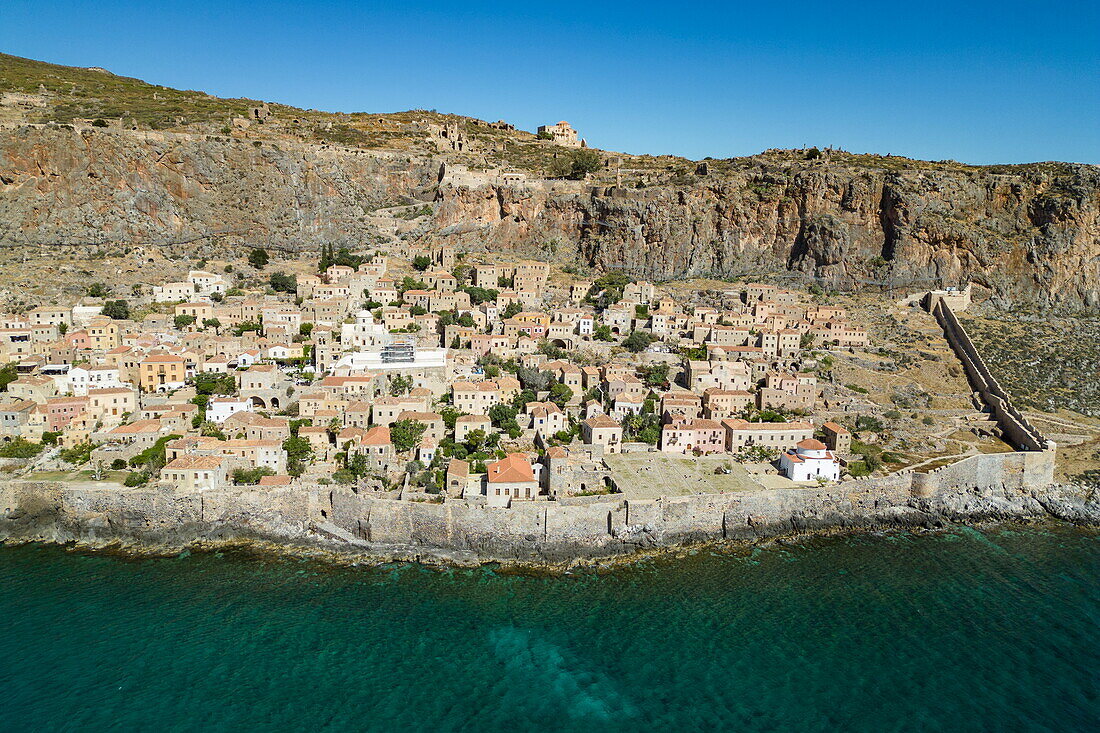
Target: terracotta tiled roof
<point>515,468</point>
<point>378,435</point>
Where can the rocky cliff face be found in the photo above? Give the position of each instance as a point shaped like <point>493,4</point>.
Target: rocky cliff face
<point>1030,237</point>
<point>58,185</point>
<point>1029,233</point>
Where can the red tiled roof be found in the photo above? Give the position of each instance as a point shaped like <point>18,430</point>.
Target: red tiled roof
<point>514,468</point>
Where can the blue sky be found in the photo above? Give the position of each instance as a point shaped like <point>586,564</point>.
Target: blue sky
<point>979,82</point>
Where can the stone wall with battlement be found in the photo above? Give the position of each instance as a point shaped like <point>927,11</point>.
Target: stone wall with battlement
<point>1014,426</point>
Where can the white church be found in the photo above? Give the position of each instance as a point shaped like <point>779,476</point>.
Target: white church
<point>810,460</point>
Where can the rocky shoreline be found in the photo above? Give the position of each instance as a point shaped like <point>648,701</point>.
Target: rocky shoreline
<point>323,542</point>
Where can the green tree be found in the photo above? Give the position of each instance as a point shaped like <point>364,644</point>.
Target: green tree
<point>400,384</point>
<point>258,258</point>
<point>117,309</point>
<point>583,162</point>
<point>345,258</point>
<point>326,257</point>
<point>461,274</point>
<point>638,341</point>
<point>78,454</point>
<point>421,263</point>
<point>560,394</point>
<point>283,283</point>
<point>408,283</point>
<point>208,383</point>
<point>251,476</point>
<point>154,457</point>
<point>608,289</point>
<point>655,375</point>
<point>603,333</point>
<point>20,448</point>
<point>183,321</point>
<point>481,295</point>
<point>8,374</point>
<point>213,323</point>
<point>97,290</point>
<point>299,451</point>
<point>405,434</point>
<point>511,310</point>
<point>245,326</point>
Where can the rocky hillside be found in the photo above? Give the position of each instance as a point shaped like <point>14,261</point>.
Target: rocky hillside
<point>89,157</point>
<point>1030,235</point>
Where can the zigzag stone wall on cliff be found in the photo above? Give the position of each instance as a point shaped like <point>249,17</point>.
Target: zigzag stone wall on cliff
<point>1029,237</point>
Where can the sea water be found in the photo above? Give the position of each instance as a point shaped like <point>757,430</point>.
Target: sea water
<point>995,630</point>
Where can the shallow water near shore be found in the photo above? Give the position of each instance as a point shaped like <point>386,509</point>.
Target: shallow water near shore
<point>993,630</point>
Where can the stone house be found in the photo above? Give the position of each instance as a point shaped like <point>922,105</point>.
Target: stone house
<point>510,479</point>
<point>162,372</point>
<point>603,431</point>
<point>15,416</point>
<point>476,398</point>
<point>466,424</point>
<point>697,435</point>
<point>377,447</point>
<point>779,435</point>
<point>788,392</point>
<point>722,403</point>
<point>434,427</point>
<point>545,418</point>
<point>112,404</point>
<point>561,133</point>
<point>837,438</point>
<point>457,478</point>
<point>196,473</point>
<point>574,470</point>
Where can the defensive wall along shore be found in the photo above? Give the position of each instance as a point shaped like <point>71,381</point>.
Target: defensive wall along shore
<point>339,520</point>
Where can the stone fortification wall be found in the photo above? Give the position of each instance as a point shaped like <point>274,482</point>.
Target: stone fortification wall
<point>1020,470</point>
<point>1015,428</point>
<point>339,520</point>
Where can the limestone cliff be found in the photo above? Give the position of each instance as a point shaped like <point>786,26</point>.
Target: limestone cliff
<point>60,185</point>
<point>1029,235</point>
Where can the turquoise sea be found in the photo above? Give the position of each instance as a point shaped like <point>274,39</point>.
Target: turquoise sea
<point>967,631</point>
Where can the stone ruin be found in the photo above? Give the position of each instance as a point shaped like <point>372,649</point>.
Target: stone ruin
<point>448,137</point>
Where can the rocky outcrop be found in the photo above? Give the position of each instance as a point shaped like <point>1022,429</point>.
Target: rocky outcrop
<point>64,186</point>
<point>1029,236</point>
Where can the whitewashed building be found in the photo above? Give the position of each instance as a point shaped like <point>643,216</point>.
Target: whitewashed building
<point>811,460</point>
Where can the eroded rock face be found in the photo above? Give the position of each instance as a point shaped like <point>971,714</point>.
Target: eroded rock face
<point>1033,237</point>
<point>60,185</point>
